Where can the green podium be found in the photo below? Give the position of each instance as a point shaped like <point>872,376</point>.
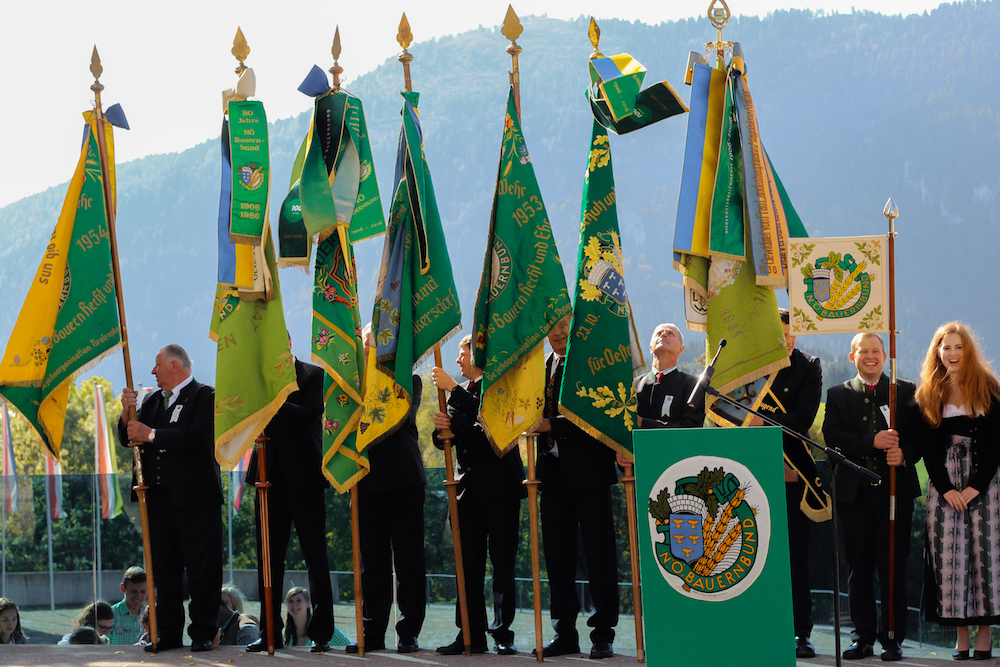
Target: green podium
<point>713,541</point>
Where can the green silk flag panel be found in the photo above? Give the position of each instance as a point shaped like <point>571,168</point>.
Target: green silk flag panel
<point>597,391</point>
<point>255,369</point>
<point>522,295</point>
<point>336,346</point>
<point>416,304</point>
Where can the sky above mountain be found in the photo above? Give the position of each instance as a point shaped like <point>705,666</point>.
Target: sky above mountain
<point>167,63</point>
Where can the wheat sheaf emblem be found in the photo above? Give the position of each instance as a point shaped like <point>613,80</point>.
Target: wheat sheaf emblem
<point>710,530</point>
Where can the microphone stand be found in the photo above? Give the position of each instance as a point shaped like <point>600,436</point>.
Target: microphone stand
<point>836,459</point>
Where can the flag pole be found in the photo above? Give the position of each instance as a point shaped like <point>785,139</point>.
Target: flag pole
<point>262,486</point>
<point>109,208</point>
<point>48,533</point>
<point>359,615</point>
<point>240,51</point>
<point>97,486</point>
<point>628,478</point>
<point>512,29</point>
<point>891,213</point>
<point>404,37</point>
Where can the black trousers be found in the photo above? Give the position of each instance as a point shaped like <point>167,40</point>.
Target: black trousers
<point>563,513</point>
<point>392,532</point>
<point>307,512</point>
<point>866,547</point>
<point>798,550</point>
<point>185,539</point>
<point>489,528</point>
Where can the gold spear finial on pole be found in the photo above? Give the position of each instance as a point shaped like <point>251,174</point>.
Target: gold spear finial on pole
<point>512,30</point>
<point>96,70</point>
<point>109,211</point>
<point>240,49</point>
<point>405,38</point>
<point>336,70</point>
<point>719,17</point>
<point>594,32</point>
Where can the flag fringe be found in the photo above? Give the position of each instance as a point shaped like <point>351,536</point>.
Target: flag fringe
<point>593,432</point>
<point>339,449</point>
<point>493,443</point>
<point>444,339</point>
<point>772,367</point>
<point>262,416</point>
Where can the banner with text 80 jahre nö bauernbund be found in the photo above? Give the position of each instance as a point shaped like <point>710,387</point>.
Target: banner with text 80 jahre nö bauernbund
<point>713,546</point>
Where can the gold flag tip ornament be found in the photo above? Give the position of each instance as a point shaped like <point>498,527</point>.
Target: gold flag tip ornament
<point>512,27</point>
<point>404,37</point>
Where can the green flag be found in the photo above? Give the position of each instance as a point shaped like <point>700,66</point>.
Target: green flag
<point>69,321</point>
<point>337,348</point>
<point>597,392</point>
<point>522,295</point>
<point>416,304</point>
<point>255,369</point>
<point>333,178</point>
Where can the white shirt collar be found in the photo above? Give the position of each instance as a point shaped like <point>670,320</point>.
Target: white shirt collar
<point>177,390</point>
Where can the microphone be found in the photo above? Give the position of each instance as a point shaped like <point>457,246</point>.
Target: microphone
<point>705,378</point>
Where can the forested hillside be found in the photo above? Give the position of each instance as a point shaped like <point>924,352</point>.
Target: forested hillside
<point>853,109</point>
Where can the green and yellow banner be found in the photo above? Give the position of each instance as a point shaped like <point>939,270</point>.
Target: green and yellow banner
<point>255,369</point>
<point>597,391</point>
<point>522,295</point>
<point>69,320</point>
<point>333,178</point>
<point>416,303</point>
<point>337,347</point>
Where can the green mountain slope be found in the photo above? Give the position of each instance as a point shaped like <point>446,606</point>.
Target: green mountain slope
<point>853,109</point>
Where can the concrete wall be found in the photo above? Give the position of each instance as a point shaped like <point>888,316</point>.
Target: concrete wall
<point>31,590</point>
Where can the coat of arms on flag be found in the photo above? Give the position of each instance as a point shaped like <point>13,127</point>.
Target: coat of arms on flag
<point>838,285</point>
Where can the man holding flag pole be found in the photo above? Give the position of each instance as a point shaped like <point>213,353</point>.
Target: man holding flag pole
<point>416,310</point>
<point>58,335</point>
<point>522,296</point>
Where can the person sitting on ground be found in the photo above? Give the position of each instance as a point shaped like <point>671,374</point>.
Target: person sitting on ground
<point>144,622</point>
<point>129,609</point>
<point>97,615</point>
<point>86,635</point>
<point>10,623</point>
<point>232,596</point>
<point>234,627</point>
<point>298,615</point>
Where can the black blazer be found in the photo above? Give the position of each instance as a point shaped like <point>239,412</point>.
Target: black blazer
<point>182,458</point>
<point>846,427</point>
<point>483,477</point>
<point>396,462</point>
<point>793,401</point>
<point>649,398</point>
<point>295,438</point>
<point>985,434</point>
<point>585,463</point>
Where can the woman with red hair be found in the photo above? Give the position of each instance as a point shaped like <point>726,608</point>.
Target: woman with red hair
<point>959,397</point>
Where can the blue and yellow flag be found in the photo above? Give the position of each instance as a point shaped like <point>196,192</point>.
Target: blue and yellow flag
<point>69,321</point>
<point>734,221</point>
<point>416,303</point>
